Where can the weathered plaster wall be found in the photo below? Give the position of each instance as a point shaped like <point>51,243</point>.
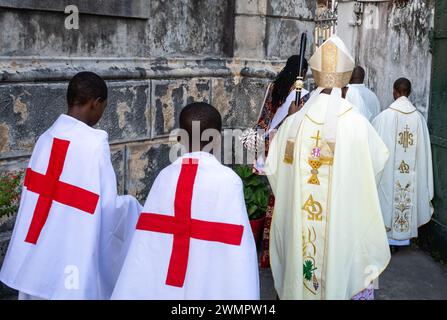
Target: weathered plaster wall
<point>174,28</point>
<point>155,55</point>
<point>404,32</point>
<point>272,28</point>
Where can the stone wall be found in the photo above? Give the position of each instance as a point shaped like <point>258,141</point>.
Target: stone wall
<point>155,55</point>
<point>391,40</point>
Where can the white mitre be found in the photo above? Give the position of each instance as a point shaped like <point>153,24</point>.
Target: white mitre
<point>332,64</point>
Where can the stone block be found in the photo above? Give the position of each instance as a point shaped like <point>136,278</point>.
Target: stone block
<point>170,96</point>
<point>39,33</point>
<point>128,112</point>
<point>117,8</point>
<point>27,111</point>
<point>292,8</point>
<point>284,37</point>
<point>191,27</point>
<point>239,100</point>
<point>145,161</point>
<point>249,37</point>
<point>251,6</point>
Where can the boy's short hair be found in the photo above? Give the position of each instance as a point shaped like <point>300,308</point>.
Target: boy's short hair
<point>85,86</point>
<point>206,114</point>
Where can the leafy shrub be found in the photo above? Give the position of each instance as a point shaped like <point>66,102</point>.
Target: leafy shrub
<point>256,192</point>
<point>10,187</point>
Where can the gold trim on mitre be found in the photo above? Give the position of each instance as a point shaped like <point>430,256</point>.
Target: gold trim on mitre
<point>329,57</point>
<point>331,79</point>
<point>331,64</point>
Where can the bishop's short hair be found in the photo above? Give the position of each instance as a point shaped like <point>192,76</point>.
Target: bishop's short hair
<point>85,86</point>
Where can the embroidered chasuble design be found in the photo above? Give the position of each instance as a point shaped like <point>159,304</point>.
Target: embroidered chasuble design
<point>404,167</point>
<point>288,154</point>
<point>406,138</point>
<point>314,160</point>
<point>315,208</point>
<point>401,221</point>
<point>404,201</point>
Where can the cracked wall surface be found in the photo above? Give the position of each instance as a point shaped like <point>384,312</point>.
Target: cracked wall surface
<point>405,31</point>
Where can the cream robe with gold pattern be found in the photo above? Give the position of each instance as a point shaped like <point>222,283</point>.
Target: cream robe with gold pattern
<point>406,188</point>
<point>332,232</point>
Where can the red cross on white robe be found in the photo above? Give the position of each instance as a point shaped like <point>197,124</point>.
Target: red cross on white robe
<point>50,189</point>
<point>183,228</point>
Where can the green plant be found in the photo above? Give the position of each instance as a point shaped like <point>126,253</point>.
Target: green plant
<point>256,192</point>
<point>10,186</point>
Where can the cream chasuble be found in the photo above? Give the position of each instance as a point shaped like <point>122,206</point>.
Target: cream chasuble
<point>328,239</point>
<point>406,188</point>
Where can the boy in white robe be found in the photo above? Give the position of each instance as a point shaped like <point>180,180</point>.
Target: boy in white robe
<point>72,230</point>
<point>193,239</point>
<point>406,187</point>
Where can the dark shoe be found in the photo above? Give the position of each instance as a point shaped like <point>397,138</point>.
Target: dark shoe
<point>394,249</point>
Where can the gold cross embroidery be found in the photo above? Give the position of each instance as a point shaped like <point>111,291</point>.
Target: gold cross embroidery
<point>317,139</point>
<point>314,160</point>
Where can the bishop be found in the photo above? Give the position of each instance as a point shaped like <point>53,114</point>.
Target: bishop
<point>327,229</point>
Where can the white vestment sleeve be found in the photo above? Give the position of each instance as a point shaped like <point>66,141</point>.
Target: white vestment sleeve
<point>377,107</point>
<point>119,218</point>
<point>274,155</point>
<point>353,96</point>
<point>379,152</point>
<point>429,160</point>
<point>424,175</point>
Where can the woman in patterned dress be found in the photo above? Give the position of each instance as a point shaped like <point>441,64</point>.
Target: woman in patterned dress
<point>276,96</point>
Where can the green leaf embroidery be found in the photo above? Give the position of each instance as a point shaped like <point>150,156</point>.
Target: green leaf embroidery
<point>308,270</point>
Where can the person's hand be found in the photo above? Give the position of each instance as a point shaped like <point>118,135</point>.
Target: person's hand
<point>253,167</point>
<point>256,171</point>
<point>293,108</point>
